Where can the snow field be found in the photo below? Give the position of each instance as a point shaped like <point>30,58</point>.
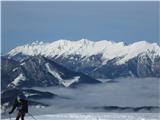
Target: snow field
<point>97,116</point>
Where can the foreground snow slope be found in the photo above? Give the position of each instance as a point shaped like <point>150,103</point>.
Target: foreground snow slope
<point>97,116</point>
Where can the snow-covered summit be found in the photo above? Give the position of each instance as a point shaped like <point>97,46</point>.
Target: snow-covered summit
<point>86,48</point>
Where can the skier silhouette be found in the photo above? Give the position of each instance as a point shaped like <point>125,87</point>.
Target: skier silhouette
<point>22,107</point>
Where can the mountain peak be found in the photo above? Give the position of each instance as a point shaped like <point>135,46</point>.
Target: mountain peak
<point>86,48</point>
<point>84,40</point>
<point>36,43</point>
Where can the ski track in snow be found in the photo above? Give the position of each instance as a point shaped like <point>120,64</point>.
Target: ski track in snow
<point>96,116</point>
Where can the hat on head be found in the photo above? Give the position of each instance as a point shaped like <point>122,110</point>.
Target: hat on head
<point>20,97</point>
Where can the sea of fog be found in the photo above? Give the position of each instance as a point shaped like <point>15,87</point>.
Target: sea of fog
<point>123,92</point>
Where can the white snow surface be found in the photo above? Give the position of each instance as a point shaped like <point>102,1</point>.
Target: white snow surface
<point>67,83</point>
<point>96,116</point>
<point>86,48</point>
<point>57,75</point>
<point>54,73</point>
<point>19,78</point>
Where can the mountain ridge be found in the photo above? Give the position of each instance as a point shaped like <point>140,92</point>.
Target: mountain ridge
<point>39,71</point>
<point>89,56</point>
<point>85,47</point>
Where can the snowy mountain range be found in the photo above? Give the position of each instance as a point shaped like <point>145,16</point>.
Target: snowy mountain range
<point>38,71</point>
<point>101,59</point>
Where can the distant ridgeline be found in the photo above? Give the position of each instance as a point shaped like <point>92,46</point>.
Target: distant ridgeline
<point>101,59</point>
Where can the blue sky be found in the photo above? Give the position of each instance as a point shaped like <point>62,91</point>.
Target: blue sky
<point>25,22</point>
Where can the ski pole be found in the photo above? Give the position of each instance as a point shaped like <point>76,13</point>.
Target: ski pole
<point>32,116</point>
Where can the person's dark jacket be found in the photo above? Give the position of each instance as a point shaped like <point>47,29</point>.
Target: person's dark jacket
<point>21,105</point>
